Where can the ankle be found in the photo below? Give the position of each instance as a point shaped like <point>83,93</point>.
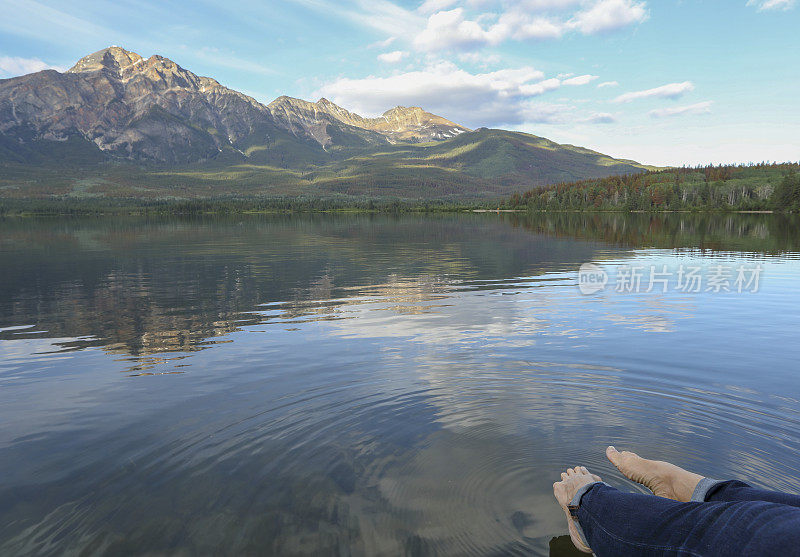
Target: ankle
<point>682,481</point>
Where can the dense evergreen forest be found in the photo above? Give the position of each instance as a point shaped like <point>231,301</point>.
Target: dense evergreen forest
<point>757,187</point>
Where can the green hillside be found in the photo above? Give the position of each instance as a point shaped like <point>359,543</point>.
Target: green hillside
<point>480,165</point>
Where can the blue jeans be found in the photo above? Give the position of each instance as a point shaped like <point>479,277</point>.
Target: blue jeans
<point>724,518</point>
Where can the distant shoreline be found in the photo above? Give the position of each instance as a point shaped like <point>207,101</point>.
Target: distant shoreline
<point>21,208</point>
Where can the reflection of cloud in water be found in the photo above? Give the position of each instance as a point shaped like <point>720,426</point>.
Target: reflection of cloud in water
<point>432,312</point>
<point>649,323</point>
<point>511,397</point>
<point>24,350</point>
<point>460,494</point>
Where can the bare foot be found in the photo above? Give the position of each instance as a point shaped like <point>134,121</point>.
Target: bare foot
<point>572,480</point>
<point>662,478</point>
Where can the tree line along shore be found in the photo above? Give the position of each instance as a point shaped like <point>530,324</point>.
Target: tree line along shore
<point>755,187</point>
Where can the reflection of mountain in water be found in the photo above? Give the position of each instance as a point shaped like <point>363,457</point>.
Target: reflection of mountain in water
<point>143,287</point>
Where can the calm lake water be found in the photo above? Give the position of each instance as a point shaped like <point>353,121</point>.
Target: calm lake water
<point>377,385</point>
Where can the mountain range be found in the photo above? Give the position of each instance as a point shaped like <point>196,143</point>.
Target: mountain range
<point>117,124</point>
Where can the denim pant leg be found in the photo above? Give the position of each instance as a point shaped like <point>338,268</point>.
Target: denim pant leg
<point>618,523</point>
<point>734,490</point>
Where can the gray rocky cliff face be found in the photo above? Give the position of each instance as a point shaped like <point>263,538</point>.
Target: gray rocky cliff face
<point>154,110</point>
<point>131,107</point>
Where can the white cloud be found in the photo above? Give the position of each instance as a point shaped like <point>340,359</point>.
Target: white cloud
<point>449,29</point>
<point>382,15</point>
<point>539,5</point>
<point>383,44</point>
<point>443,24</point>
<point>392,57</point>
<point>498,98</point>
<point>580,80</point>
<point>536,89</point>
<point>608,84</point>
<point>772,4</point>
<point>698,108</point>
<point>431,6</point>
<point>11,66</point>
<point>609,15</point>
<point>452,29</point>
<point>480,58</point>
<point>519,25</point>
<point>600,118</point>
<point>669,91</point>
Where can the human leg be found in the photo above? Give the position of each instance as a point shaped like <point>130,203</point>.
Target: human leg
<point>616,523</point>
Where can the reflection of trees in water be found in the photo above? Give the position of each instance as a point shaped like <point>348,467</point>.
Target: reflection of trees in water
<point>762,233</point>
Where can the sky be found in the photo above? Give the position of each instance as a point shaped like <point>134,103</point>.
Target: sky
<point>664,82</point>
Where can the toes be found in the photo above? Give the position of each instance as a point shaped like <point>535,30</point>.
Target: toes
<point>614,456</point>
<point>622,459</point>
<point>576,471</point>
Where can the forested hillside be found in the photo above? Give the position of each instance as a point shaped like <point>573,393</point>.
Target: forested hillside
<point>745,188</point>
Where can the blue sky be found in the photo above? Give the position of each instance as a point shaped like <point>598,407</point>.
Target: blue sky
<point>662,82</point>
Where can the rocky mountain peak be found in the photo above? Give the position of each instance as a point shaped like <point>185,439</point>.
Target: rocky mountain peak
<point>154,109</point>
<point>397,124</point>
<point>285,102</point>
<point>122,65</point>
<point>114,59</point>
<point>133,108</point>
<point>404,110</point>
<point>165,63</point>
<point>415,114</point>
<point>414,122</point>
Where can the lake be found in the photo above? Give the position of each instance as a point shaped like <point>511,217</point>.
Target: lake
<point>377,384</point>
